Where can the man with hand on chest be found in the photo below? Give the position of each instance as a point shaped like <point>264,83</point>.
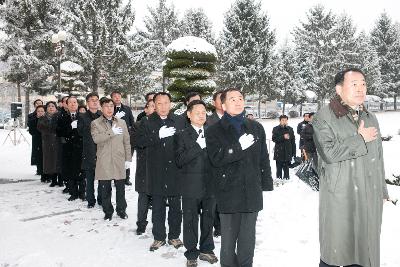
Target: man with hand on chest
<point>196,182</point>
<point>124,112</point>
<point>156,135</point>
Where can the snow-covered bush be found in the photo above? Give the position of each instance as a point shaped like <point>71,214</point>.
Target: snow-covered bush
<point>191,64</point>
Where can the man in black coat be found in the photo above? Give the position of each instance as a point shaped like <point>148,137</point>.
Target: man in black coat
<point>67,125</point>
<point>36,137</point>
<point>89,147</point>
<point>124,112</point>
<point>149,96</point>
<point>238,152</point>
<point>141,184</point>
<point>37,151</point>
<point>285,147</point>
<point>156,134</point>
<point>309,145</point>
<point>196,183</point>
<point>300,127</point>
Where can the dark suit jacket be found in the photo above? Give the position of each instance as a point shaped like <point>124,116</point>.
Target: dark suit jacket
<point>196,176</point>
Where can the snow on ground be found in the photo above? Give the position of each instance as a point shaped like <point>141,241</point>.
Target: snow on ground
<point>39,227</point>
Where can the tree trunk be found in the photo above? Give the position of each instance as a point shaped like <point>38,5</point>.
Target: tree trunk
<point>18,91</point>
<point>259,104</point>
<point>27,91</point>
<point>164,83</point>
<point>95,78</point>
<point>395,101</point>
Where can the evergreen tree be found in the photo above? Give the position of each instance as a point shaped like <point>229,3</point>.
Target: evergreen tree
<point>245,49</point>
<point>28,26</point>
<point>196,23</point>
<point>98,35</point>
<point>317,55</point>
<point>385,39</point>
<point>287,80</point>
<point>162,24</point>
<point>368,62</point>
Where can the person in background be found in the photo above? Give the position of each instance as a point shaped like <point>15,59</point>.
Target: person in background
<point>197,186</point>
<point>352,186</point>
<point>285,147</point>
<point>156,134</point>
<point>141,181</point>
<point>300,127</point>
<point>37,153</point>
<point>310,152</point>
<point>238,153</point>
<point>124,112</point>
<point>36,139</point>
<point>218,112</point>
<point>89,147</point>
<point>67,125</point>
<point>82,109</point>
<point>149,96</point>
<point>47,127</point>
<point>111,135</point>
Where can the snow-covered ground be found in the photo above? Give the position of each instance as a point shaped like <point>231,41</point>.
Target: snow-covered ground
<point>39,227</point>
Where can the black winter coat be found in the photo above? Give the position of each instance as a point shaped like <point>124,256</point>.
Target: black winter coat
<point>307,134</point>
<point>141,184</point>
<point>50,143</point>
<point>196,176</point>
<point>72,146</point>
<point>89,147</point>
<point>300,128</point>
<point>284,149</point>
<point>36,155</point>
<point>161,170</point>
<point>239,175</point>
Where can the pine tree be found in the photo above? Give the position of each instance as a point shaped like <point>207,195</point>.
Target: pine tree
<point>314,41</point>
<point>287,80</point>
<point>385,40</point>
<point>196,23</point>
<point>245,49</point>
<point>27,47</point>
<point>368,62</point>
<point>162,24</point>
<point>98,35</point>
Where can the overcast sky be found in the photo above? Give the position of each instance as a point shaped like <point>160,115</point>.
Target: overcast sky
<point>284,14</point>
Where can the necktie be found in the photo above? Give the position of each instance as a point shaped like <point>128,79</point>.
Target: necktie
<point>200,131</point>
<point>118,108</point>
<point>73,116</point>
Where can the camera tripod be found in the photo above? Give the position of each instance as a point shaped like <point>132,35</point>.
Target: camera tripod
<point>12,134</point>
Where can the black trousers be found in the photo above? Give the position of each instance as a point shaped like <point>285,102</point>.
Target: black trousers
<point>77,184</point>
<point>192,208</point>
<point>323,264</point>
<point>282,165</point>
<point>217,221</point>
<point>106,192</point>
<point>90,188</point>
<point>143,208</point>
<point>174,217</point>
<point>238,239</point>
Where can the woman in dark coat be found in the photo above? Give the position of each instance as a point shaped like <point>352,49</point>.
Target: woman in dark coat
<point>47,126</point>
<point>37,156</point>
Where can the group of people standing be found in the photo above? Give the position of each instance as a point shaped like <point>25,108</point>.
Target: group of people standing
<point>211,171</point>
